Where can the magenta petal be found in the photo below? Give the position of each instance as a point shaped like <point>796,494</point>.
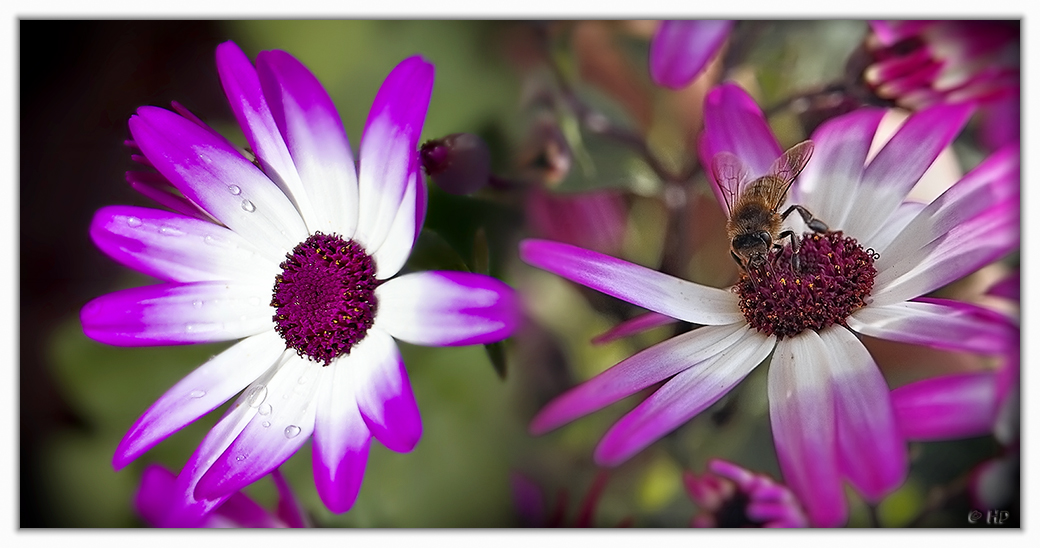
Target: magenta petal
<point>446,308</point>
<point>155,495</point>
<point>389,146</point>
<point>680,50</point>
<point>802,415</point>
<point>241,511</point>
<point>871,453</point>
<point>175,248</point>
<point>156,187</point>
<point>312,130</point>
<point>682,397</point>
<point>637,372</point>
<point>211,173</point>
<point>171,313</point>
<point>939,323</point>
<point>636,284</point>
<point>384,394</point>
<point>947,407</point>
<point>281,421</point>
<point>633,326</point>
<point>289,509</point>
<point>341,442</point>
<point>734,123</point>
<point>202,391</point>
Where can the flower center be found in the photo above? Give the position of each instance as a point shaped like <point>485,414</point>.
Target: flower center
<point>325,297</point>
<point>834,279</point>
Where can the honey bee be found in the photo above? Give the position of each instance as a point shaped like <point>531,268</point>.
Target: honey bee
<point>754,225</point>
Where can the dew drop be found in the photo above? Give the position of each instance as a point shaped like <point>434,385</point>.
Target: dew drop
<point>234,189</point>
<point>196,303</point>
<point>264,409</point>
<point>257,395</point>
<point>302,379</point>
<point>210,240</point>
<point>167,230</point>
<point>265,424</point>
<point>190,328</point>
<point>248,206</point>
<point>254,301</point>
<point>133,222</point>
<point>292,431</point>
<point>197,393</point>
<point>240,458</point>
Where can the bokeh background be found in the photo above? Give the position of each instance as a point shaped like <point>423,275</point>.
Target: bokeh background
<point>79,82</point>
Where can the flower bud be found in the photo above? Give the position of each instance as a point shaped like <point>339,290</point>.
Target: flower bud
<point>459,163</point>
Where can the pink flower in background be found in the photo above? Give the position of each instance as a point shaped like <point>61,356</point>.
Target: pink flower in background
<point>294,257</point>
<point>595,220</point>
<point>917,64</point>
<point>830,409</point>
<point>680,50</point>
<point>730,496</point>
<point>157,501</point>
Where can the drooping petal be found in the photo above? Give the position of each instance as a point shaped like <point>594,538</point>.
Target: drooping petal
<point>211,173</point>
<point>680,50</point>
<point>871,453</point>
<point>841,146</point>
<point>254,114</point>
<point>802,415</point>
<point>155,495</point>
<point>202,391</point>
<point>938,323</point>
<point>637,372</point>
<point>341,441</point>
<point>397,246</point>
<point>681,398</point>
<point>388,147</point>
<point>446,308</point>
<point>383,391</point>
<point>289,509</point>
<point>734,123</point>
<point>156,187</point>
<point>898,166</point>
<point>169,313</point>
<point>176,248</point>
<point>947,407</point>
<point>280,421</point>
<point>636,284</point>
<point>313,132</point>
<point>241,511</point>
<point>633,326</point>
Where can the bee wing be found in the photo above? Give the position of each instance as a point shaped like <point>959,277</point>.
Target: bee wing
<point>731,176</point>
<point>785,169</point>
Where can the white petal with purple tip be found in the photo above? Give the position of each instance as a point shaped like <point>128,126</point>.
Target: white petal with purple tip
<point>341,441</point>
<point>383,391</point>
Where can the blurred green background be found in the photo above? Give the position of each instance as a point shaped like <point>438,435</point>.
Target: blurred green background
<point>81,80</point>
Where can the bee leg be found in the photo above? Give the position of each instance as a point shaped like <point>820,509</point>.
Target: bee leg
<point>812,222</point>
<point>796,263</point>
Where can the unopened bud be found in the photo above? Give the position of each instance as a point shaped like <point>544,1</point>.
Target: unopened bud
<point>459,163</point>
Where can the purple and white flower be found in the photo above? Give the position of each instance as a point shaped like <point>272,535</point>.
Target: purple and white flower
<point>680,50</point>
<point>731,496</point>
<point>294,255</point>
<point>830,409</point>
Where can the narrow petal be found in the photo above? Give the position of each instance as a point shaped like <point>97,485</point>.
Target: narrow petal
<point>938,323</point>
<point>313,132</point>
<point>176,248</point>
<point>162,314</point>
<point>871,453</point>
<point>388,146</point>
<point>947,407</point>
<point>155,495</point>
<point>202,391</point>
<point>681,49</point>
<point>156,187</point>
<point>445,308</point>
<point>384,394</point>
<point>254,114</point>
<point>895,225</point>
<point>243,512</point>
<point>289,510</point>
<point>397,246</point>
<point>633,326</point>
<point>682,397</point>
<point>341,441</point>
<point>636,284</point>
<point>841,146</point>
<point>212,174</point>
<point>734,123</point>
<point>901,163</point>
<point>802,415</point>
<point>637,372</point>
<point>282,420</point>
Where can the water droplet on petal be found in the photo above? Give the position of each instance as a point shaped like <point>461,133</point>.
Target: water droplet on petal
<point>240,458</point>
<point>248,206</point>
<point>168,230</point>
<point>133,222</point>
<point>302,379</point>
<point>254,301</point>
<point>190,328</point>
<point>197,393</point>
<point>264,409</point>
<point>210,240</point>
<point>257,395</point>
<point>265,424</point>
<point>234,189</point>
<point>196,303</point>
<point>292,431</point>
